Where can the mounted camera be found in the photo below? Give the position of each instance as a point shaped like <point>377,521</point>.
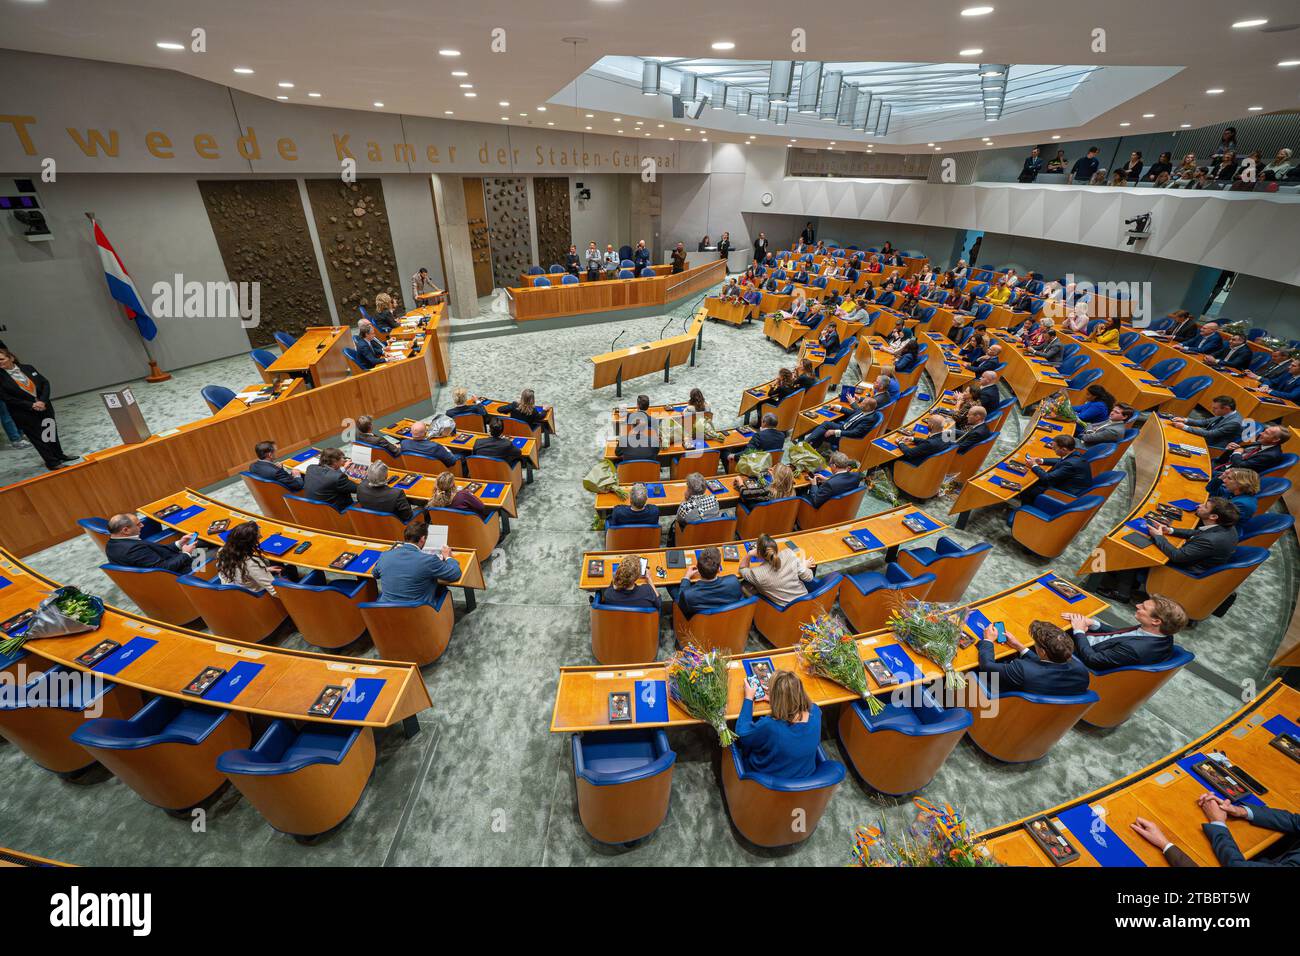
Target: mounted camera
<point>1139,228</point>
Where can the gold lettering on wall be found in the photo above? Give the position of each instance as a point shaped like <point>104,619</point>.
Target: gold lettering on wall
<point>94,141</point>
<point>159,145</point>
<point>20,124</point>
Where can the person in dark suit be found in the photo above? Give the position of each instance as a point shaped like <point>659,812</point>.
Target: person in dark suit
<point>636,511</point>
<point>385,318</point>
<point>1217,813</point>
<point>768,438</point>
<point>989,361</point>
<point>1237,355</point>
<point>370,351</point>
<point>407,573</point>
<point>844,477</point>
<point>940,438</point>
<point>990,395</point>
<point>1051,347</point>
<point>1207,343</point>
<point>724,245</point>
<point>1050,669</point>
<point>366,435</point>
<point>856,422</point>
<point>1263,453</point>
<point>638,438</point>
<point>977,429</point>
<point>641,256</point>
<point>127,548</point>
<point>465,404</point>
<point>1033,166</point>
<point>829,339</point>
<point>375,494</point>
<point>627,588</point>
<point>496,445</point>
<point>325,481</point>
<point>808,235</point>
<point>760,248</point>
<point>1069,473</point>
<point>1286,386</point>
<point>526,409</point>
<point>572,261</point>
<point>25,393</point>
<point>1149,641</point>
<point>418,443</point>
<point>265,466</point>
<point>703,589</point>
<point>801,276</point>
<point>1222,427</point>
<point>1185,328</point>
<point>1276,369</point>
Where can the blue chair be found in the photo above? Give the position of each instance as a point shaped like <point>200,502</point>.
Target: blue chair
<point>380,525</point>
<point>1122,690</point>
<point>1101,457</point>
<point>787,289</point>
<point>1069,350</point>
<point>1256,333</point>
<point>868,598</point>
<point>217,397</point>
<point>155,591</point>
<point>776,811</point>
<point>96,529</point>
<point>364,314</point>
<point>1094,325</point>
<point>886,299</point>
<point>569,279</point>
<point>900,749</point>
<point>1163,323</point>
<point>1259,360</point>
<point>354,361</point>
<point>627,262</point>
<point>1270,490</point>
<point>1185,394</point>
<point>326,613</point>
<point>952,565</point>
<point>1073,364</point>
<point>625,253</point>
<point>1103,484</point>
<point>780,625</point>
<point>1202,593</point>
<point>536,271</point>
<point>263,358</point>
<point>1049,525</point>
<point>647,273</point>
<point>1126,339</point>
<point>555,268</point>
<point>624,781</point>
<point>982,312</point>
<point>623,635</point>
<point>626,274</point>
<point>410,630</point>
<point>304,782</point>
<point>1281,468</point>
<point>233,611</point>
<point>285,339</point>
<point>167,752</point>
<point>1166,369</point>
<point>541,282</point>
<point>1141,352</point>
<point>1016,727</point>
<point>725,627</point>
<point>1083,380</point>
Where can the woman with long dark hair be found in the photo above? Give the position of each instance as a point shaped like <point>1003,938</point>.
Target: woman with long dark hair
<point>26,396</point>
<point>240,560</point>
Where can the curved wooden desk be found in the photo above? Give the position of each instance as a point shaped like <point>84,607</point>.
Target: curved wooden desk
<point>582,695</point>
<point>674,493</point>
<point>463,441</point>
<point>615,368</point>
<point>285,686</point>
<point>1244,390</point>
<point>730,311</point>
<point>982,490</point>
<point>733,439</point>
<point>1031,379</point>
<point>1130,383</point>
<point>317,355</point>
<point>583,298</point>
<point>1166,793</point>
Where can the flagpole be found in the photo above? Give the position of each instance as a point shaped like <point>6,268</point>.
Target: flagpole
<point>156,374</point>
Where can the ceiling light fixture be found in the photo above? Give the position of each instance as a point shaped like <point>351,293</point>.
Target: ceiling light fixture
<point>1254,109</point>
<point>1246,24</point>
<point>1214,92</point>
<point>471,95</point>
<point>1288,63</point>
<point>724,45</point>
<point>282,97</point>
<point>976,11</point>
<point>314,96</point>
<point>459,73</point>
<point>243,70</point>
<point>379,105</point>
<point>169,45</point>
<point>449,53</point>
<point>973,51</point>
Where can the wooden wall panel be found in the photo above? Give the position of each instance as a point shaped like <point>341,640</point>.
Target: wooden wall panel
<point>352,223</point>
<point>554,229</point>
<point>507,216</point>
<point>479,242</point>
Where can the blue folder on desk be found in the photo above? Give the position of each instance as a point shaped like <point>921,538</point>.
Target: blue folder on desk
<point>1281,725</point>
<point>922,397</point>
<point>827,412</point>
<point>1050,426</point>
<point>304,455</point>
<point>896,660</point>
<point>654,490</point>
<point>651,701</point>
<point>887,445</point>
<point>1050,581</point>
<point>233,682</point>
<point>1188,762</point>
<point>1139,525</point>
<point>494,489</point>
<point>1185,504</point>
<point>976,622</point>
<point>359,698</point>
<point>127,654</point>
<point>920,429</point>
<point>927,522</point>
<point>868,539</point>
<point>277,544</point>
<point>363,561</point>
<point>185,514</point>
<point>1090,831</point>
<point>1194,474</point>
<point>519,442</point>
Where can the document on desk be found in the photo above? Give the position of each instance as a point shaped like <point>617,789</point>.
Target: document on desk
<point>437,539</point>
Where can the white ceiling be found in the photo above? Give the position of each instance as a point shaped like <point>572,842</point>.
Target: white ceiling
<point>357,54</point>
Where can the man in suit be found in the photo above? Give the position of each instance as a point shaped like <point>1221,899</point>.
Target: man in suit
<point>857,423</point>
<point>265,466</point>
<point>1237,355</point>
<point>369,350</point>
<point>1222,427</point>
<point>366,435</point>
<point>1217,813</point>
<point>1050,668</point>
<point>1207,343</point>
<point>1069,473</point>
<point>703,589</point>
<point>127,548</point>
<point>800,277</point>
<point>939,439</point>
<point>1258,456</point>
<point>988,362</point>
<point>1051,348</point>
<point>844,477</point>
<point>407,573</point>
<point>641,256</point>
<point>760,248</point>
<point>638,438</point>
<point>1150,641</point>
<point>990,394</point>
<point>1286,386</point>
<point>1276,369</point>
<point>768,438</point>
<point>496,445</point>
<point>374,493</point>
<point>977,429</point>
<point>325,481</point>
<point>1110,430</point>
<point>418,444</point>
<point>809,235</point>
<point>636,511</point>
<point>1184,328</point>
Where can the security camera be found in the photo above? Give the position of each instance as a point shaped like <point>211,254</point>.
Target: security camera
<point>1139,228</point>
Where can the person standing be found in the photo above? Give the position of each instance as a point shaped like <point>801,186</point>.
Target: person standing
<point>724,245</point>
<point>679,259</point>
<point>1033,166</point>
<point>26,396</point>
<point>760,248</point>
<point>809,235</point>
<point>422,284</point>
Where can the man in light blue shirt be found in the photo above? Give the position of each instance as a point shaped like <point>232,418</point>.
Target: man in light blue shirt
<point>408,574</point>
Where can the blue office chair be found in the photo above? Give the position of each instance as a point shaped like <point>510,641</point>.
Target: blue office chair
<point>569,279</point>
<point>1069,350</point>
<point>625,253</point>
<point>155,591</point>
<point>1256,333</point>
<point>1280,469</point>
<point>1141,352</point>
<point>624,780</point>
<point>762,806</point>
<point>899,750</point>
<point>217,397</point>
<point>1202,593</point>
<point>627,263</point>
<point>1126,339</point>
<point>325,612</point>
<point>647,273</point>
<point>1262,531</point>
<point>285,339</point>
<point>1123,690</point>
<point>555,269</point>
<point>1022,727</point>
<point>541,282</point>
<point>1084,379</point>
<point>263,357</point>
<point>354,360</point>
<point>1094,325</point>
<point>1259,360</point>
<point>1190,388</point>
<point>626,274</point>
<point>868,597</point>
<point>1166,369</point>
<point>1099,452</point>
<point>536,270</point>
<point>1072,365</point>
<point>1049,525</point>
<point>788,289</point>
<point>1270,490</point>
<point>952,565</point>
<point>1161,324</point>
<point>886,299</point>
<point>982,311</point>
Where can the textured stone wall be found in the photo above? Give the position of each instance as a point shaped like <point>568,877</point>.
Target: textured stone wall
<point>262,234</point>
<point>554,230</point>
<point>506,198</point>
<point>352,224</point>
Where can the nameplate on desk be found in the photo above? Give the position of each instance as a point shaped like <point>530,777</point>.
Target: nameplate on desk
<point>238,651</point>
<point>614,675</point>
<point>352,668</point>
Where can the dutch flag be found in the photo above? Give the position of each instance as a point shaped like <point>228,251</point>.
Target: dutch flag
<point>120,285</point>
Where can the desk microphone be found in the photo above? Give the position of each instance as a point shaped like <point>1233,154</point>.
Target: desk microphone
<point>616,338</point>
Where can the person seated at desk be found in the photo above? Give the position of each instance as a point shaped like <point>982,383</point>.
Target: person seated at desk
<point>1107,337</point>
<point>447,494</point>
<point>1207,342</point>
<point>1286,388</point>
<point>1051,346</point>
<point>418,443</point>
<point>325,481</point>
<point>779,575</point>
<point>886,388</point>
<point>784,385</point>
<point>844,476</point>
<point>968,397</point>
<point>366,435</point>
<point>1222,427</point>
<point>498,446</point>
<point>636,512</point>
<point>776,484</point>
<point>1204,548</point>
<point>1150,641</point>
<point>610,260</point>
<point>699,505</point>
<point>1217,812</point>
<point>1000,294</point>
<point>240,560</point>
<point>908,358</point>
<point>1260,455</point>
<point>805,373</point>
<point>1098,406</point>
<point>1076,322</point>
<point>1051,669</point>
<point>753,295</point>
<point>770,284</point>
<point>1110,430</point>
<point>696,404</point>
<point>940,438</point>
<point>369,351</point>
<point>977,429</point>
<point>627,589</point>
<point>702,589</point>
<point>638,436</point>
<point>572,262</point>
<point>813,315</point>
<point>1236,356</point>
<point>857,422</point>
<point>829,339</point>
<point>463,403</point>
<point>526,409</point>
<point>800,277</point>
<point>375,494</point>
<point>385,317</point>
<point>641,256</point>
<point>127,548</point>
<point>990,394</point>
<point>989,361</point>
<point>1184,328</point>
<point>768,437</point>
<point>1276,369</point>
<point>976,346</point>
<point>265,466</point>
<point>704,244</point>
<point>1241,486</point>
<point>1069,473</point>
<point>407,574</point>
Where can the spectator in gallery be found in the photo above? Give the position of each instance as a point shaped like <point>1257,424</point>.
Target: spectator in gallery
<point>1132,170</point>
<point>640,256</point>
<point>1033,166</point>
<point>1162,165</point>
<point>1279,167</point>
<point>1058,163</point>
<point>1085,167</point>
<point>593,260</point>
<point>1227,143</point>
<point>724,245</point>
<point>610,259</point>
<point>572,264</point>
<point>679,259</point>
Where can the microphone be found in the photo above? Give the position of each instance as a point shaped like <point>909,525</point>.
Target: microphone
<point>616,338</point>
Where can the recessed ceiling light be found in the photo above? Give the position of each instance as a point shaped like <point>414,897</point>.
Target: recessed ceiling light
<point>285,85</point>
<point>724,45</point>
<point>1148,115</point>
<point>504,103</point>
<point>671,139</point>
<point>647,134</point>
<point>449,53</point>
<point>590,115</point>
<point>794,141</point>
<point>379,105</point>
<point>1125,124</point>
<point>169,45</point>
<point>989,119</point>
<point>523,114</point>
<point>1254,109</point>
<point>973,51</point>
<point>1057,136</point>
<point>588,127</point>
<point>541,109</point>
<point>467,86</point>
<point>938,149</point>
<point>640,122</point>
<point>661,125</point>
<point>705,140</point>
<point>1185,126</point>
<point>1288,63</point>
<point>282,97</point>
<point>459,73</point>
<point>243,70</point>
<point>618,119</point>
<point>929,144</point>
<point>314,96</point>
<point>506,118</point>
<point>832,142</point>
<point>551,123</point>
<point>1244,24</point>
<point>448,113</point>
<point>976,11</point>
<point>688,129</point>
<point>471,95</point>
<point>1214,92</point>
<point>620,132</point>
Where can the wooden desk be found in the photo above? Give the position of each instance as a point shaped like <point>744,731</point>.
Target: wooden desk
<point>1155,481</point>
<point>252,395</point>
<point>775,302</point>
<point>430,321</point>
<point>317,355</point>
<point>1165,793</point>
<point>729,311</point>
<point>582,298</point>
<point>614,368</point>
<point>497,408</point>
<point>785,332</point>
<point>582,695</point>
<point>285,688</point>
<point>818,545</point>
<point>1030,378</point>
<point>528,447</point>
<point>1129,382</point>
<point>326,546</point>
<point>606,275</point>
<point>981,490</point>
<point>731,440</point>
<point>680,411</point>
<point>1251,402</point>
<point>674,493</point>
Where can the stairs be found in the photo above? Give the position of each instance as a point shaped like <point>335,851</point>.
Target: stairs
<point>482,328</point>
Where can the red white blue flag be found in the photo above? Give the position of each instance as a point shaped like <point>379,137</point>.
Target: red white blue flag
<point>120,285</point>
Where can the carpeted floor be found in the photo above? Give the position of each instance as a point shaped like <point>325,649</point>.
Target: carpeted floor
<point>485,783</point>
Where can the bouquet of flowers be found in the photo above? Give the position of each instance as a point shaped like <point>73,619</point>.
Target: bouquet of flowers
<point>1058,407</point>
<point>880,485</point>
<point>1234,328</point>
<point>931,629</point>
<point>828,650</point>
<point>937,838</point>
<point>697,680</point>
<point>67,610</point>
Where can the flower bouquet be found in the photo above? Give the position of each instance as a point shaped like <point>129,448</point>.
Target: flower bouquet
<point>1058,407</point>
<point>931,629</point>
<point>937,838</point>
<point>697,680</point>
<point>828,650</point>
<point>881,486</point>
